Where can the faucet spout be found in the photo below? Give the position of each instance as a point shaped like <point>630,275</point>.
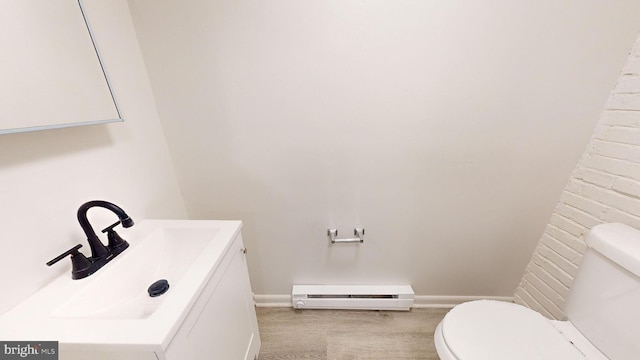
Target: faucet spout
<point>98,249</point>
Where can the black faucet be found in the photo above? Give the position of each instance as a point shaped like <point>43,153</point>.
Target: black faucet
<point>98,250</point>
<point>100,254</point>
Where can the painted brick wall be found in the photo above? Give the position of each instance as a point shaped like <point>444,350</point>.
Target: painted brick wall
<point>604,187</point>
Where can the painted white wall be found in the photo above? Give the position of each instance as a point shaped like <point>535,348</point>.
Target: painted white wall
<point>604,187</point>
<point>45,176</point>
<point>446,128</point>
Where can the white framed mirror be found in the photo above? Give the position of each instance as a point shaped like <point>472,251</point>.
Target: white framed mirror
<point>51,75</point>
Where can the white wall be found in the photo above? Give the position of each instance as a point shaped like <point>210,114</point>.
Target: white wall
<point>45,176</point>
<point>604,187</point>
<point>446,129</point>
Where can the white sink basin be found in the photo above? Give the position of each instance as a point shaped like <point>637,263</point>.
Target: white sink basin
<point>166,254</point>
<point>112,306</point>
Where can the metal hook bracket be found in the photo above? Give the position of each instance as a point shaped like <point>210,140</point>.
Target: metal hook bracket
<point>333,234</point>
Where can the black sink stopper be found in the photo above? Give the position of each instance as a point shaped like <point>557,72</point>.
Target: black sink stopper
<point>158,288</point>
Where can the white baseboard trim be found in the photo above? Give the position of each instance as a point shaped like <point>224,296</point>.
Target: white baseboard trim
<point>272,300</point>
<point>420,301</point>
<point>430,301</point>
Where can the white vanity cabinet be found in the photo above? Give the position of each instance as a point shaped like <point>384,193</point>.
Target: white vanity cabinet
<point>222,323</point>
<point>207,313</point>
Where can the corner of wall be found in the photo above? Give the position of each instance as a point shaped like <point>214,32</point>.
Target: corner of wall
<point>604,187</point>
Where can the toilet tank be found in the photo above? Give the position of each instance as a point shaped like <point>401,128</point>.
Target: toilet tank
<point>604,300</point>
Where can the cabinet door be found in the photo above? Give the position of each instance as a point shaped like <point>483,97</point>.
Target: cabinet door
<point>227,327</point>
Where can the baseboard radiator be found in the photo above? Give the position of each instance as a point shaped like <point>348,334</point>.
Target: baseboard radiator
<point>361,297</point>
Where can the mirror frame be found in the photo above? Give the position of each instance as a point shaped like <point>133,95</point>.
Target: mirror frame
<point>79,123</point>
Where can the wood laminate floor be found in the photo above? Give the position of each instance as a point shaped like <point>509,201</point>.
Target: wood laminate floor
<point>344,334</point>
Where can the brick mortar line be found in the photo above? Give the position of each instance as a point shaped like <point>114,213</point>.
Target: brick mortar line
<point>579,210</point>
<point>533,298</point>
<point>545,297</point>
<point>554,263</point>
<point>542,281</point>
<point>566,233</point>
<point>608,205</point>
<point>564,245</point>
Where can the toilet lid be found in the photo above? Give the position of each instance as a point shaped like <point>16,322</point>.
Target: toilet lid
<point>497,330</point>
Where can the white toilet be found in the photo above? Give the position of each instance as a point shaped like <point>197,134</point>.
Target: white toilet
<point>603,310</point>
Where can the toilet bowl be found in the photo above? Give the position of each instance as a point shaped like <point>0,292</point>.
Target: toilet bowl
<point>601,308</point>
<point>498,330</point>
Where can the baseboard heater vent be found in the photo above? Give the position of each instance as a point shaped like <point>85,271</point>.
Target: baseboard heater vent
<point>362,297</point>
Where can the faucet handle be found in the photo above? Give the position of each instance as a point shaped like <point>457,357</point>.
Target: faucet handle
<point>79,262</point>
<point>110,227</point>
<point>73,252</point>
<point>116,243</point>
<point>78,259</point>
